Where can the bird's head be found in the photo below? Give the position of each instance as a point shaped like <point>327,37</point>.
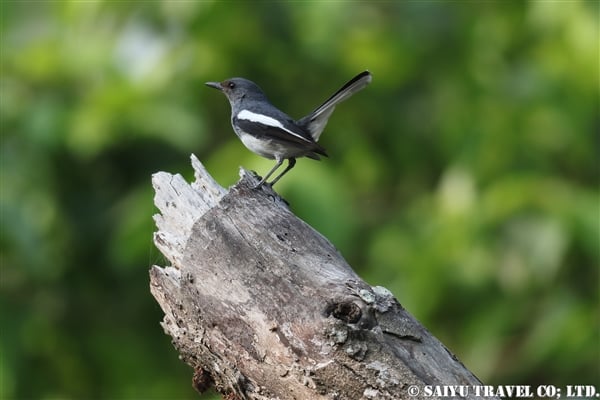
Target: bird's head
<point>237,89</point>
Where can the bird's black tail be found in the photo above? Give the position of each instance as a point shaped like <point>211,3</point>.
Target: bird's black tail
<point>315,121</point>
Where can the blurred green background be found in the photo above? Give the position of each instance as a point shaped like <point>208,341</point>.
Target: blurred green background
<point>464,178</point>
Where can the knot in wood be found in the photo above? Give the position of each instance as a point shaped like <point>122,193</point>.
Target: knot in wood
<point>346,311</point>
<point>201,381</point>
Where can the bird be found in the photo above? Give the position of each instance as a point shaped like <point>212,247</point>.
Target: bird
<point>271,133</point>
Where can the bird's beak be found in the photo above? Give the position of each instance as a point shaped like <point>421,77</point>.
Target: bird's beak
<point>215,85</point>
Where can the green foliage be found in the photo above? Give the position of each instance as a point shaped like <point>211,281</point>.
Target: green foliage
<point>464,179</point>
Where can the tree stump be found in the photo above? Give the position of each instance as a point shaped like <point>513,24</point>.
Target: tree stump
<point>264,307</point>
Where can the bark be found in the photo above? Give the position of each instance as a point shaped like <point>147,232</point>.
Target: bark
<point>264,307</point>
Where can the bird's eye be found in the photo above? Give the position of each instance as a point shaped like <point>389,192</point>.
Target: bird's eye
<point>231,85</point>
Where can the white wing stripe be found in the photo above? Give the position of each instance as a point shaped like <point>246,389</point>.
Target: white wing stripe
<point>266,120</point>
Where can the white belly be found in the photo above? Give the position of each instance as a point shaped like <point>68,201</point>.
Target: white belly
<point>269,148</point>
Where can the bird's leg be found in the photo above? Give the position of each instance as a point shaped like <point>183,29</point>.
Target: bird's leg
<point>263,180</point>
<point>291,163</point>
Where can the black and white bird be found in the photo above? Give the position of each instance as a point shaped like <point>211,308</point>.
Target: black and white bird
<point>271,133</point>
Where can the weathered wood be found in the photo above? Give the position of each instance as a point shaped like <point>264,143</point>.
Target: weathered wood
<point>264,307</point>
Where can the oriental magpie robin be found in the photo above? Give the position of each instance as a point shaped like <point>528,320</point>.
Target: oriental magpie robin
<point>271,133</point>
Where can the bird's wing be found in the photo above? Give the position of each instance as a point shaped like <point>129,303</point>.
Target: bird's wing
<point>281,129</point>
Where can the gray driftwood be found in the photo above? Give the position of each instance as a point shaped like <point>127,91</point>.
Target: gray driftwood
<point>264,307</point>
